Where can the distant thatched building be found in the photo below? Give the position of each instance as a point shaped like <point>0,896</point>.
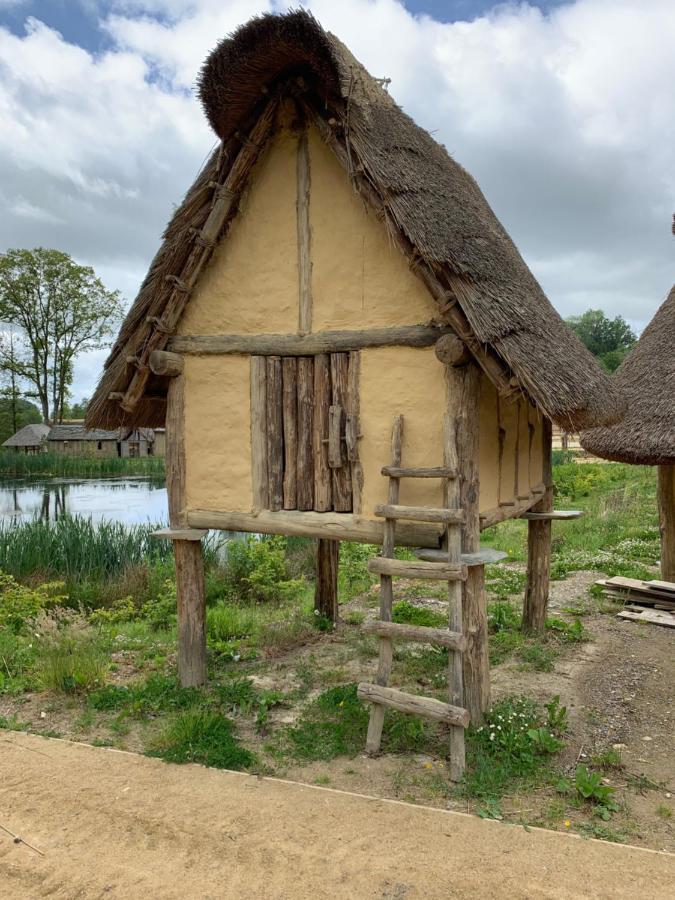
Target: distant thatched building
<point>646,433</point>
<point>74,439</point>
<point>30,439</point>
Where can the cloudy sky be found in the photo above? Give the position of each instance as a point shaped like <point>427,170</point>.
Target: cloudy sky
<point>563,111</point>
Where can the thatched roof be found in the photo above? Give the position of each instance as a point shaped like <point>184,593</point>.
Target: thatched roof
<point>28,436</point>
<point>80,433</point>
<point>646,433</point>
<point>428,200</point>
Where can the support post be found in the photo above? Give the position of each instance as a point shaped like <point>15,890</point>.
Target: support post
<point>539,546</point>
<point>326,591</point>
<point>187,554</point>
<point>476,661</point>
<point>666,501</point>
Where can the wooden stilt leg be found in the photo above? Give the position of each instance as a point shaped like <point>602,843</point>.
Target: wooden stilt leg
<point>326,592</point>
<point>666,499</point>
<point>539,549</point>
<point>191,612</point>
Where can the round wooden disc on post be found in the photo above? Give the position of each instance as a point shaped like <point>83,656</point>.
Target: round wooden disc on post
<point>451,351</point>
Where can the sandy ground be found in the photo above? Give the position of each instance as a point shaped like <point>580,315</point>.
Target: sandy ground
<point>113,824</point>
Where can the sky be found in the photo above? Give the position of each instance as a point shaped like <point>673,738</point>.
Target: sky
<point>563,110</point>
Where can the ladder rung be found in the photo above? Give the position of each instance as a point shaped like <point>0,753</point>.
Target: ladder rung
<point>411,703</point>
<point>417,472</point>
<point>405,568</point>
<point>399,631</point>
<point>419,513</point>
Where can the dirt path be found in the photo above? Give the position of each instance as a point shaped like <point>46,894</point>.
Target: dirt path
<point>117,825</point>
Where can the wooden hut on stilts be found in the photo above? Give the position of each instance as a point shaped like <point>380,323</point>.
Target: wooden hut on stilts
<point>345,344</point>
<point>646,433</point>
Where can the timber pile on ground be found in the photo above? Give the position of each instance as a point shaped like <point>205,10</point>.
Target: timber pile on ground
<point>659,595</point>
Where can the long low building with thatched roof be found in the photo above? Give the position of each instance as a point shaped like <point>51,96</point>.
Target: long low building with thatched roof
<point>646,433</point>
<point>30,439</point>
<point>331,274</point>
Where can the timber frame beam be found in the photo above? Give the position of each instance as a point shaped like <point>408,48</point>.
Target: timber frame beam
<point>308,344</point>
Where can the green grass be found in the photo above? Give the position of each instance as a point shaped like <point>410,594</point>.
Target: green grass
<point>203,737</point>
<point>57,464</point>
<point>405,612</point>
<point>157,694</point>
<point>336,722</point>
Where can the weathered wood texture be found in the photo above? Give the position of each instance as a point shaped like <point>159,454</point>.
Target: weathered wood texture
<point>179,534</point>
<point>419,472</point>
<point>666,501</point>
<point>187,553</point>
<point>419,513</point>
<point>275,461</point>
<point>452,498</point>
<point>162,362</point>
<point>563,515</point>
<point>191,612</point>
<point>353,428</point>
<point>304,237</point>
<point>451,351</point>
<point>418,633</point>
<point>342,476</point>
<point>386,650</point>
<point>323,481</point>
<point>305,475</point>
<point>259,432</point>
<point>341,526</point>
<point>289,371</point>
<point>413,704</point>
<point>306,345</point>
<point>408,568</point>
<point>326,591</point>
<point>175,452</point>
<point>476,662</point>
<point>539,546</point>
<point>498,514</point>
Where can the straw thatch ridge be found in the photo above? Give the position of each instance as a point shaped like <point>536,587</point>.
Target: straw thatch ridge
<point>646,434</point>
<point>430,199</point>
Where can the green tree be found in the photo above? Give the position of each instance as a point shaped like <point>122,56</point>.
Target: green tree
<point>60,309</point>
<point>76,410</point>
<point>608,339</point>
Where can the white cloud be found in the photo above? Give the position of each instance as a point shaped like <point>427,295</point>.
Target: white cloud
<point>566,119</point>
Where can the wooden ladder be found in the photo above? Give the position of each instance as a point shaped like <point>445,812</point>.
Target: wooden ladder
<point>452,571</point>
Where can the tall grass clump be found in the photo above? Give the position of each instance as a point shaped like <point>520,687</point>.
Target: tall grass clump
<point>86,466</point>
<point>74,547</point>
<point>71,656</point>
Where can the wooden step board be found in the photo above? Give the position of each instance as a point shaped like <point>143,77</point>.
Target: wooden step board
<point>482,557</point>
<point>420,633</point>
<point>419,513</point>
<point>408,568</point>
<point>413,704</point>
<point>409,472</point>
<point>554,514</point>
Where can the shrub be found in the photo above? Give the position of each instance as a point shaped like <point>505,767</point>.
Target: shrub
<point>353,575</point>
<point>69,656</point>
<point>202,737</point>
<point>121,610</point>
<point>19,604</point>
<point>16,660</point>
<point>257,571</point>
<point>160,611</point>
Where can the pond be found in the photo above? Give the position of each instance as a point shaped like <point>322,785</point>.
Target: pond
<point>128,500</point>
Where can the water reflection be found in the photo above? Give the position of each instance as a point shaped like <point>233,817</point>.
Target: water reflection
<point>126,500</point>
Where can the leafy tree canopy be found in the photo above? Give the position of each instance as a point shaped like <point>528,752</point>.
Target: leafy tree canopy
<point>608,339</point>
<point>55,310</point>
<point>20,411</point>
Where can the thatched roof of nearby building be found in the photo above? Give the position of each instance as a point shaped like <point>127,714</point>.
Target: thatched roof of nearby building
<point>80,433</point>
<point>646,433</point>
<point>431,206</point>
<point>28,436</point>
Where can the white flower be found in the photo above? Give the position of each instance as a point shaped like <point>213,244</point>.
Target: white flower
<point>492,737</point>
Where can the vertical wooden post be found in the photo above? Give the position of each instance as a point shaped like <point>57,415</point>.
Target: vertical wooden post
<point>259,432</point>
<point>539,546</point>
<point>289,367</point>
<point>452,500</point>
<point>476,660</point>
<point>305,467</point>
<point>188,558</point>
<point>323,489</point>
<point>275,437</point>
<point>386,658</point>
<point>326,591</point>
<point>666,501</point>
<point>342,476</point>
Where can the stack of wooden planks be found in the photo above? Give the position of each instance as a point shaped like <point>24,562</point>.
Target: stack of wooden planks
<point>646,601</point>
